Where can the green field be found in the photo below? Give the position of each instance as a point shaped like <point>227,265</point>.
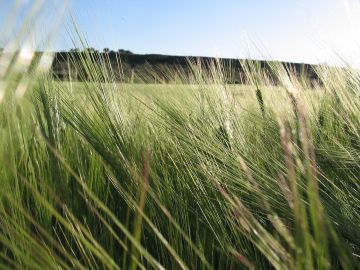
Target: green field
<point>104,175</point>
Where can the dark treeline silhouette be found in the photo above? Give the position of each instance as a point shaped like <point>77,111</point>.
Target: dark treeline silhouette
<point>126,66</point>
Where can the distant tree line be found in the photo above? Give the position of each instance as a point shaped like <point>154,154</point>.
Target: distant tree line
<point>126,66</point>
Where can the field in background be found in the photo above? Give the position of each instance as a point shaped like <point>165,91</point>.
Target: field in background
<point>187,95</point>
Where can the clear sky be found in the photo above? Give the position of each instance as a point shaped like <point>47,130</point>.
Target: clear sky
<point>292,30</point>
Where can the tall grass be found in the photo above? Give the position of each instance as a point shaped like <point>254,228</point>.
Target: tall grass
<point>197,174</point>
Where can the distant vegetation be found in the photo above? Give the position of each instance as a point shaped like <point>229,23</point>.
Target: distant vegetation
<point>150,68</point>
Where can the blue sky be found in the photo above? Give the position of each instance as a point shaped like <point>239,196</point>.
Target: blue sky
<point>292,30</point>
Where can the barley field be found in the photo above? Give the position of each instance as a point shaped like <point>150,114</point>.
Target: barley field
<point>195,175</point>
